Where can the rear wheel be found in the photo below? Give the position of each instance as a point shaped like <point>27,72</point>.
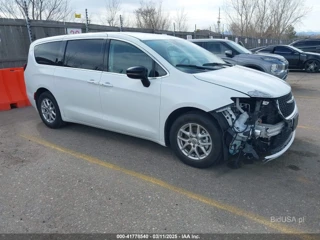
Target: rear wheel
<point>312,66</point>
<point>49,110</point>
<point>196,140</point>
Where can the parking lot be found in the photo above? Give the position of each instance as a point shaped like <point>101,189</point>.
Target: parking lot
<point>80,179</point>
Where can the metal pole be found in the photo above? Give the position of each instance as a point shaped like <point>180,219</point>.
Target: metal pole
<point>121,23</point>
<point>219,22</point>
<point>87,21</point>
<point>27,21</point>
<point>174,29</point>
<point>195,30</point>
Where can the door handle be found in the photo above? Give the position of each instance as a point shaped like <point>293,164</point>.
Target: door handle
<point>92,81</point>
<point>106,84</point>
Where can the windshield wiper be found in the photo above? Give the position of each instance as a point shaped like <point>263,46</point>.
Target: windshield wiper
<point>218,64</point>
<point>194,66</point>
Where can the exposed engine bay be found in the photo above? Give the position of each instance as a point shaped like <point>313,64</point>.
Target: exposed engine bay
<point>259,127</point>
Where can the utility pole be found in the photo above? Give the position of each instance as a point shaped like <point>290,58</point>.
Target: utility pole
<point>195,31</point>
<point>219,18</point>
<point>87,21</point>
<point>121,23</point>
<point>27,20</point>
<point>174,29</point>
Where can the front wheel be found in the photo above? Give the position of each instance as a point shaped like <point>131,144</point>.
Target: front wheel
<point>312,66</point>
<point>196,140</point>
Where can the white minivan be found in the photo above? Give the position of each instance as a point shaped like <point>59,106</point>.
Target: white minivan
<point>163,89</point>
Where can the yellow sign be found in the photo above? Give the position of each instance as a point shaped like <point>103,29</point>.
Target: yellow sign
<point>77,15</point>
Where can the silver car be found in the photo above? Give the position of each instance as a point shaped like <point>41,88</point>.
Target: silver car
<point>234,53</point>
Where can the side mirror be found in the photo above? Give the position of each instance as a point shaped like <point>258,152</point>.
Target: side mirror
<point>229,53</point>
<point>139,72</point>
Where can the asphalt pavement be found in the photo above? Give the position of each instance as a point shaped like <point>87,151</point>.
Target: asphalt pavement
<point>80,179</point>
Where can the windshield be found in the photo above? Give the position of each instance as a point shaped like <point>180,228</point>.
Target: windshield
<point>186,56</point>
<point>239,48</point>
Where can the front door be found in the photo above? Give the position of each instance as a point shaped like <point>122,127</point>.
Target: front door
<point>292,56</point>
<point>129,107</point>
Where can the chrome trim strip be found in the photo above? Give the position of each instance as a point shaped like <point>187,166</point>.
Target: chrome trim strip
<point>278,154</point>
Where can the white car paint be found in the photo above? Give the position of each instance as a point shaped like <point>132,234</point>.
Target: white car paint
<point>118,103</point>
<point>247,81</point>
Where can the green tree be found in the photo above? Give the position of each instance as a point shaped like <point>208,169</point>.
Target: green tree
<point>290,32</point>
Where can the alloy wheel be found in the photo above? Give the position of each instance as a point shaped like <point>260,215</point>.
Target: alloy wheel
<point>194,141</point>
<point>312,66</point>
<point>48,110</point>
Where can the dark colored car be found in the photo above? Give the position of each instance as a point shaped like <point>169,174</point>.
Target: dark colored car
<point>232,52</point>
<point>308,45</point>
<point>297,58</point>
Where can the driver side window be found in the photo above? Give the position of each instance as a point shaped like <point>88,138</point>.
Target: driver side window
<point>282,50</point>
<point>123,55</point>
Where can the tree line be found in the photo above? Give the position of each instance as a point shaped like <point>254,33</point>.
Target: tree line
<point>265,18</point>
<point>250,18</point>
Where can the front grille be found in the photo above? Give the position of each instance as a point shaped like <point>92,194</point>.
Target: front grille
<point>286,105</point>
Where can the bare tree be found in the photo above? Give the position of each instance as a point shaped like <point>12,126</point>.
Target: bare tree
<point>151,15</point>
<point>181,20</point>
<point>240,13</point>
<point>286,13</point>
<point>113,8</point>
<point>38,9</point>
<point>264,18</point>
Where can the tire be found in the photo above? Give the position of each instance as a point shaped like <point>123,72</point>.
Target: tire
<point>207,126</point>
<point>312,66</point>
<point>49,111</point>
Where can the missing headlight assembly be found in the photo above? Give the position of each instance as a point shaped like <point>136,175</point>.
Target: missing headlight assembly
<point>257,128</point>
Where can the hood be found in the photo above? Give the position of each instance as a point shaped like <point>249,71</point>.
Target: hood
<point>271,55</point>
<point>248,81</point>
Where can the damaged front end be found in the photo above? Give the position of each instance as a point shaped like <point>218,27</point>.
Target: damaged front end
<point>260,128</point>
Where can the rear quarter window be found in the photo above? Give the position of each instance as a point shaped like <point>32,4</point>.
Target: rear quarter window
<point>49,53</point>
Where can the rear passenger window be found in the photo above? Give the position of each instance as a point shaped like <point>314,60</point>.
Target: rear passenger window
<point>49,53</point>
<point>85,54</point>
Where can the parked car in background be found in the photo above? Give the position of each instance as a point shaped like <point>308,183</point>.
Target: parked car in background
<point>163,89</point>
<point>253,50</point>
<point>298,59</point>
<point>232,52</point>
<point>308,45</point>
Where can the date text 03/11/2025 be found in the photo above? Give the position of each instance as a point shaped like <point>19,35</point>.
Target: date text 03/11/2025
<point>158,236</point>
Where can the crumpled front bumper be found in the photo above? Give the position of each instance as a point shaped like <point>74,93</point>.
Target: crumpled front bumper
<point>286,146</point>
<point>293,122</point>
